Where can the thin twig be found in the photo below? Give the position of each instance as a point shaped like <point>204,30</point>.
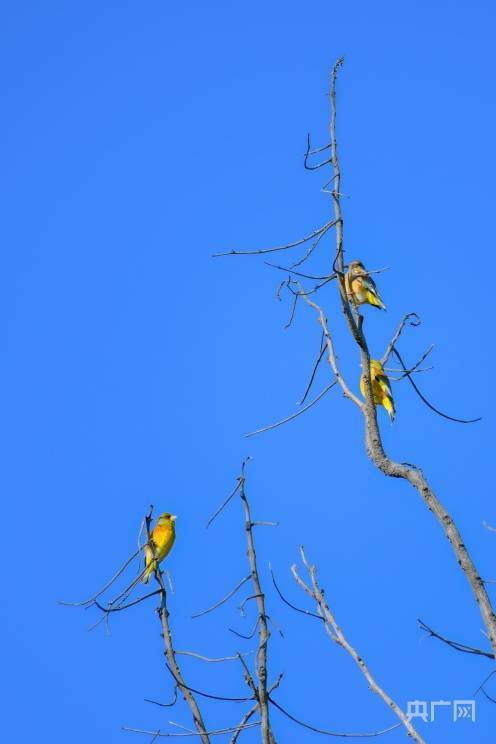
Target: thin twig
<point>424,399</point>
<point>216,732</point>
<point>164,705</point>
<point>326,732</point>
<point>258,523</point>
<point>294,415</point>
<point>212,660</point>
<point>298,273</point>
<point>224,698</point>
<point>107,585</point>
<point>314,369</point>
<point>454,644</point>
<point>322,230</point>
<point>309,251</point>
<point>331,352</point>
<point>231,495</point>
<point>406,319</point>
<point>224,599</point>
<point>337,635</point>
<point>292,313</point>
<point>251,712</point>
<point>110,609</point>
<point>290,604</point>
<point>245,637</point>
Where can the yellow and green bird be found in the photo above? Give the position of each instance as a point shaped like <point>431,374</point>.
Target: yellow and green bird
<point>380,387</point>
<point>162,537</point>
<point>360,287</point>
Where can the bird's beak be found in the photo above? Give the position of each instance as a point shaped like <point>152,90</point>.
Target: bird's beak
<point>173,517</point>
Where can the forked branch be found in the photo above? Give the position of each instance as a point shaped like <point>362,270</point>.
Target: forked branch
<point>315,592</point>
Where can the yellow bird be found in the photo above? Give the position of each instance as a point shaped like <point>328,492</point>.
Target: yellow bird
<point>162,537</point>
<point>360,287</point>
<point>380,387</point>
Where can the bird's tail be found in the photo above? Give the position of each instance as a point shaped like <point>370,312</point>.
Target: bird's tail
<point>149,570</point>
<point>389,406</point>
<point>375,300</point>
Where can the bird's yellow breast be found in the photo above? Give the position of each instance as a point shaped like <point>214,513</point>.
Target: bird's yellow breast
<point>163,538</point>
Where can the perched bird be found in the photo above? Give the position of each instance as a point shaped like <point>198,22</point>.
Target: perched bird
<point>360,287</point>
<point>380,387</point>
<point>162,537</point>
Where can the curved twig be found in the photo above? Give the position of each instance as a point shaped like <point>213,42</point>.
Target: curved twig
<point>326,732</point>
<point>424,399</point>
<point>224,599</point>
<point>109,583</point>
<point>216,732</point>
<point>294,415</point>
<point>454,644</point>
<point>321,231</point>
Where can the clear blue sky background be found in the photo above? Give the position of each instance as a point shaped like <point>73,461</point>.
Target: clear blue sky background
<point>137,139</point>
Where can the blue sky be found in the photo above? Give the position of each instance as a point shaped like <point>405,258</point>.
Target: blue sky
<point>139,138</point>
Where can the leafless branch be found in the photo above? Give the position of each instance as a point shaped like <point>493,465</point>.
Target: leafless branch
<point>290,604</point>
<point>326,732</point>
<point>454,644</point>
<point>406,319</point>
<point>321,231</point>
<point>373,440</point>
<point>165,705</point>
<point>292,313</point>
<point>298,273</point>
<point>424,399</point>
<point>252,712</point>
<point>416,366</point>
<point>246,637</point>
<point>224,599</point>
<point>233,493</point>
<point>336,634</point>
<point>294,415</point>
<point>311,248</point>
<point>224,698</point>
<point>309,152</point>
<point>172,664</point>
<point>259,523</point>
<point>118,608</point>
<point>212,660</point>
<point>314,369</point>
<point>109,583</point>
<point>331,352</point>
<point>263,631</point>
<point>247,599</point>
<point>481,687</point>
<point>216,732</point>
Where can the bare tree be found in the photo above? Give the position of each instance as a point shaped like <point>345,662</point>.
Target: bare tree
<point>355,323</point>
<point>260,693</point>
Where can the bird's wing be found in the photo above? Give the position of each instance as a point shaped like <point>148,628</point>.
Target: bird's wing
<point>370,284</point>
<point>148,555</point>
<point>384,385</point>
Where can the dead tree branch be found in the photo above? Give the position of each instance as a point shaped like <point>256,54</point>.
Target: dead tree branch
<point>373,440</point>
<point>454,644</point>
<point>263,631</point>
<point>224,599</point>
<point>294,415</point>
<point>316,233</point>
<point>170,654</point>
<point>336,634</point>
